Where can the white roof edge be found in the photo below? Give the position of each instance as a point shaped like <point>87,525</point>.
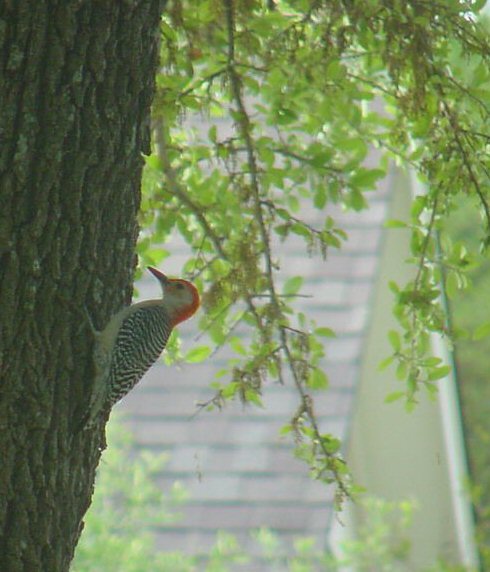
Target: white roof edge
<point>452,425</point>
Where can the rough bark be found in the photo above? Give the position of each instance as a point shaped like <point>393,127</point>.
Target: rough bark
<point>76,82</point>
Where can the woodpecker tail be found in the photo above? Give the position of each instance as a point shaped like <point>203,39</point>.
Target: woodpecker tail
<point>99,400</point>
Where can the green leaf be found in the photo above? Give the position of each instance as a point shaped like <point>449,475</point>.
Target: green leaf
<point>432,389</point>
<point>366,178</point>
<point>237,346</point>
<point>335,70</point>
<point>394,223</point>
<point>395,340</point>
<point>267,156</point>
<point>191,102</point>
<point>325,332</point>
<point>293,285</point>
<point>452,285</point>
<point>418,205</point>
<point>198,354</point>
<point>482,331</point>
<point>285,429</point>
<point>393,286</point>
<point>153,161</point>
<point>439,372</point>
<point>320,198</point>
<point>394,396</point>
<point>285,116</point>
<point>401,370</point>
<point>386,362</point>
<point>410,405</point>
<point>294,204</point>
<point>156,255</point>
<point>283,213</point>
<point>282,230</point>
<point>317,379</point>
<point>332,444</point>
<point>229,390</point>
<point>253,397</point>
<point>300,229</point>
<point>213,134</point>
<point>431,361</point>
<point>356,200</point>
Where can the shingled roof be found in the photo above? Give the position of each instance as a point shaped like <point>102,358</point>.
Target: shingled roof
<point>241,475</point>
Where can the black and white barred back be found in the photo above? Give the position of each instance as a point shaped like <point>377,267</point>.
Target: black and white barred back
<point>140,341</point>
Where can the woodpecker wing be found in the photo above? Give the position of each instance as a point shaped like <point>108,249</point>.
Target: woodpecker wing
<point>140,341</point>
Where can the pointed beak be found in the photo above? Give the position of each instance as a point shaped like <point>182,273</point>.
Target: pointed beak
<point>160,276</point>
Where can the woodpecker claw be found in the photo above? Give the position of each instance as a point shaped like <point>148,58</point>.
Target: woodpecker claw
<point>95,332</point>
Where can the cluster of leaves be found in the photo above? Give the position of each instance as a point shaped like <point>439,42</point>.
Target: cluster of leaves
<point>382,544</point>
<point>127,503</point>
<point>309,87</point>
<point>128,507</point>
<point>449,143</point>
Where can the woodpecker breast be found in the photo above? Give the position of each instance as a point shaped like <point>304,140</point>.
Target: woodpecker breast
<point>140,340</point>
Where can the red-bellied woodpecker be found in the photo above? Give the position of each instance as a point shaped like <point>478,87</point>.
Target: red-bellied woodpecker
<point>134,338</point>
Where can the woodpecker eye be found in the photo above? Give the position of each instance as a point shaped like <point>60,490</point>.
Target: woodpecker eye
<point>179,286</point>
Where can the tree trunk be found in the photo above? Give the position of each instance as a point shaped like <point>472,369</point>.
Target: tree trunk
<point>76,83</point>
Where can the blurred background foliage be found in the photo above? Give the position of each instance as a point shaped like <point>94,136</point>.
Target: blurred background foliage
<point>470,313</point>
<point>128,508</point>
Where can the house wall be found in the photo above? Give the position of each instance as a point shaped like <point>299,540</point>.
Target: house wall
<point>398,455</point>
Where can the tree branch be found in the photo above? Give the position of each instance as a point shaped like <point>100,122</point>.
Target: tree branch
<point>244,127</point>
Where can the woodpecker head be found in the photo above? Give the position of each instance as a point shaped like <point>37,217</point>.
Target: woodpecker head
<point>180,297</point>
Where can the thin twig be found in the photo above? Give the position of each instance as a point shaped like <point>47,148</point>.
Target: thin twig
<point>466,160</point>
<point>418,276</point>
<point>206,79</point>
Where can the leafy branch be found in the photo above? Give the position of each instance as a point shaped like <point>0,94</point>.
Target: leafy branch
<point>309,76</point>
<point>320,442</point>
